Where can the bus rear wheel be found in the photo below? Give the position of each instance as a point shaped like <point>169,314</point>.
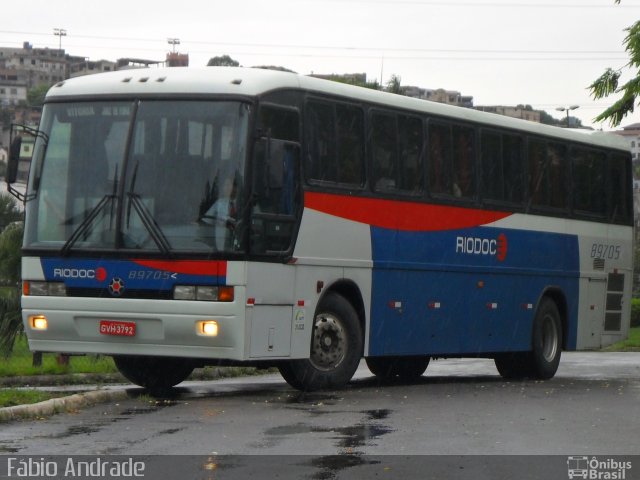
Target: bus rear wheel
<point>336,348</point>
<point>403,368</point>
<point>156,374</point>
<point>542,361</point>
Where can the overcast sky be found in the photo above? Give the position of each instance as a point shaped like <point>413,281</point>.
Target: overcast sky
<point>539,52</point>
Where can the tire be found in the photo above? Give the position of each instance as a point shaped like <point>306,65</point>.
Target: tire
<point>403,368</point>
<point>336,348</point>
<point>547,341</point>
<point>542,361</point>
<point>156,374</point>
<point>514,365</point>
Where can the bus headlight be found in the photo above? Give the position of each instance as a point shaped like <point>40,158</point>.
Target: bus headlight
<point>203,293</point>
<point>46,289</point>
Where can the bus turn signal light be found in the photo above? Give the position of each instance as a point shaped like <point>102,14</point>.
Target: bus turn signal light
<point>204,293</point>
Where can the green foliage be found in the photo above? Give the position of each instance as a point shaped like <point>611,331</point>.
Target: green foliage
<point>393,85</point>
<point>635,312</point>
<point>274,67</point>
<point>9,211</point>
<point>352,81</point>
<point>222,61</point>
<point>10,311</point>
<point>547,119</point>
<point>631,344</point>
<point>609,82</point>
<point>10,397</point>
<point>20,364</point>
<point>10,254</point>
<point>10,322</point>
<point>35,96</point>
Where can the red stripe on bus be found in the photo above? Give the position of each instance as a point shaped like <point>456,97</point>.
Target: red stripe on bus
<point>399,215</point>
<point>187,267</point>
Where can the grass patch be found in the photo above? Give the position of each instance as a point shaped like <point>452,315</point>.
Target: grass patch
<point>631,344</point>
<point>21,363</point>
<point>10,397</point>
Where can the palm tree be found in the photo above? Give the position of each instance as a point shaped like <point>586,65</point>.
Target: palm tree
<point>10,321</point>
<point>10,312</point>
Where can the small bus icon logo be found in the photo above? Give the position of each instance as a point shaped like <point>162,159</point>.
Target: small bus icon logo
<point>578,467</point>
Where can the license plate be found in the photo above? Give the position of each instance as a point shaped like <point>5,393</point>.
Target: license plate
<point>120,329</point>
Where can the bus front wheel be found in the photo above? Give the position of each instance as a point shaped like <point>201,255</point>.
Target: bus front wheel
<point>546,347</point>
<point>156,374</point>
<point>336,348</point>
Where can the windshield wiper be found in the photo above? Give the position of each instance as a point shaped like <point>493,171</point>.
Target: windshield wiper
<point>148,221</point>
<point>90,216</point>
<point>86,224</point>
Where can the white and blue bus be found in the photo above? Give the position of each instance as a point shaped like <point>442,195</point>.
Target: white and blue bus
<point>184,217</point>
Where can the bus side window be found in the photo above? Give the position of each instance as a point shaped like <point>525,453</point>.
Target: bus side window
<point>558,177</point>
<point>321,142</point>
<point>589,190</point>
<point>620,190</point>
<point>537,167</point>
<point>464,179</point>
<point>512,168</point>
<point>411,176</point>
<point>335,143</point>
<point>439,159</point>
<point>384,151</point>
<point>493,182</point>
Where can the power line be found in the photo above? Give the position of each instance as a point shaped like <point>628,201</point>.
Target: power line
<point>351,51</point>
<point>482,4</point>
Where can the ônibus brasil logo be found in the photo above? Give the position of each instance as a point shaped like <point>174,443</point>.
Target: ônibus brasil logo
<point>495,247</point>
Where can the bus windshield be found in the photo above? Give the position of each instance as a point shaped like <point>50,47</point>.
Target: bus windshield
<point>139,175</point>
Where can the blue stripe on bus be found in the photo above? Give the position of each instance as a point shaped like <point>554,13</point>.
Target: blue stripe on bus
<point>466,291</point>
<point>98,273</point>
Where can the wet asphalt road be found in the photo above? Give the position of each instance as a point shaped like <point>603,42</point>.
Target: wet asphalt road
<point>591,407</point>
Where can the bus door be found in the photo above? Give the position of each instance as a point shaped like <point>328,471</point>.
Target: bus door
<point>275,186</point>
<point>275,210</point>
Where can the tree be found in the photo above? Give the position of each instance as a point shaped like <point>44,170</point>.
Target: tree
<point>274,67</point>
<point>10,313</point>
<point>547,119</point>
<point>223,61</point>
<point>393,85</point>
<point>35,96</point>
<point>609,82</point>
<point>9,211</point>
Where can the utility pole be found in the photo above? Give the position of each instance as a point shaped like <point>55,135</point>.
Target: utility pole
<point>567,109</point>
<point>60,32</point>
<point>174,42</point>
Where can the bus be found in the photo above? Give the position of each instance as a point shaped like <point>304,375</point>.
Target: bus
<point>184,217</point>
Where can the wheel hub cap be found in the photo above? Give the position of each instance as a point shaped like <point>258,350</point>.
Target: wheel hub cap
<point>328,347</point>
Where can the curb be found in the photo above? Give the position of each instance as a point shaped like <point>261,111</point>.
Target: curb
<point>62,404</point>
<point>79,379</point>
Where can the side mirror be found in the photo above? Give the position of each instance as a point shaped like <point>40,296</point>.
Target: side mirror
<point>23,140</point>
<point>14,159</point>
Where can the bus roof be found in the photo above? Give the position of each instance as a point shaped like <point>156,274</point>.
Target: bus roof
<point>257,81</point>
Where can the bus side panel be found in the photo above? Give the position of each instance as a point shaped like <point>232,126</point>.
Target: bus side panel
<point>466,291</point>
